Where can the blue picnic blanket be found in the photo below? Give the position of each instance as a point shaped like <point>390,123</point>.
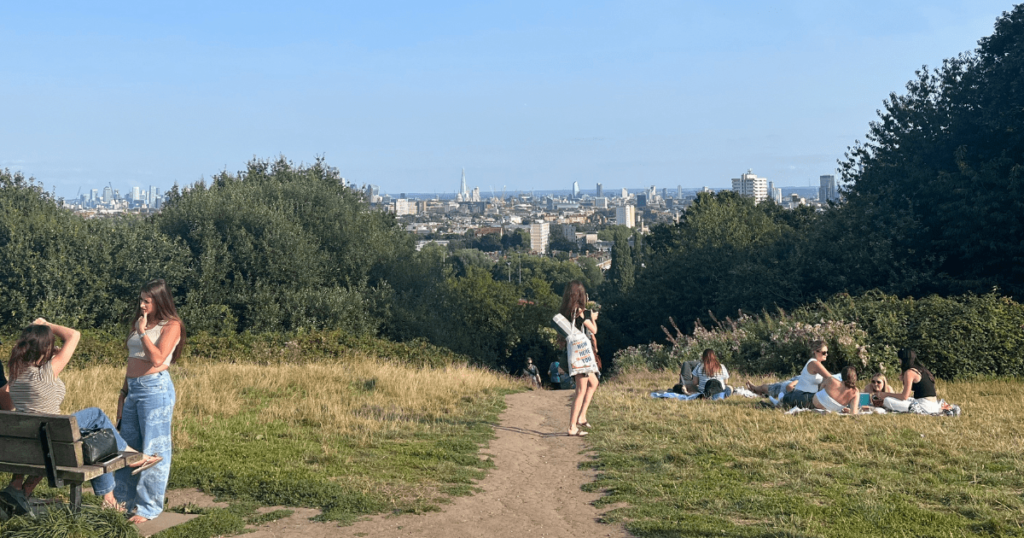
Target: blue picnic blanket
<point>674,396</point>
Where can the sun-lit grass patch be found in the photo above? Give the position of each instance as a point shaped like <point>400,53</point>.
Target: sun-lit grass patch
<point>351,437</point>
<point>731,469</point>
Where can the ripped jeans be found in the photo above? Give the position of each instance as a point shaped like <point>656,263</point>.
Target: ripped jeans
<point>146,427</point>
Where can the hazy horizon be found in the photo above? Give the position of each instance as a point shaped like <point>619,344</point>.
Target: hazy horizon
<point>404,95</point>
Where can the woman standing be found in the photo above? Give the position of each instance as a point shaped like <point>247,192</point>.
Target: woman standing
<point>810,377</point>
<point>35,387</point>
<point>574,301</point>
<point>146,403</point>
<point>917,380</point>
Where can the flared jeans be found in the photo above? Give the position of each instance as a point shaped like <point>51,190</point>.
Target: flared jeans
<point>146,426</point>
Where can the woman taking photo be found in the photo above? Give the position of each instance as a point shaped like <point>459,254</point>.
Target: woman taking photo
<point>574,301</point>
<point>35,387</point>
<point>146,403</point>
<point>917,380</point>
<point>810,377</point>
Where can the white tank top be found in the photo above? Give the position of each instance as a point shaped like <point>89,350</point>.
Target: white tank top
<point>808,382</point>
<point>136,350</point>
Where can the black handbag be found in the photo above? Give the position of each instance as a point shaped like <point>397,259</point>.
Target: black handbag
<point>98,445</point>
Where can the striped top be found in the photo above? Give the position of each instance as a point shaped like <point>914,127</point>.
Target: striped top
<point>703,377</point>
<point>38,390</point>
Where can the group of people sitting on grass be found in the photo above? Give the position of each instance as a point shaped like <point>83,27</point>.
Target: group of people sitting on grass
<point>144,408</point>
<point>816,388</point>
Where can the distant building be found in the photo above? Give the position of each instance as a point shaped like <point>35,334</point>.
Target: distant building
<point>625,193</point>
<point>404,207</point>
<point>601,202</point>
<point>575,190</point>
<point>539,237</point>
<point>751,186</point>
<point>775,193</point>
<point>108,194</point>
<point>679,192</point>
<point>625,216</point>
<point>827,189</point>
<point>641,201</point>
<point>600,190</point>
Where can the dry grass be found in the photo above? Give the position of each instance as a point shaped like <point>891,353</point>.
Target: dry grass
<point>365,400</point>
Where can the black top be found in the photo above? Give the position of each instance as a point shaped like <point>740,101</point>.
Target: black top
<point>924,388</point>
<point>3,380</point>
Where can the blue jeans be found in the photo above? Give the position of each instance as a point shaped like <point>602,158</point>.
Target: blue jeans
<point>723,395</point>
<point>146,426</point>
<point>92,418</point>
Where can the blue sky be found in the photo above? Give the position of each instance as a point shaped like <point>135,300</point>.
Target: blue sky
<point>526,95</point>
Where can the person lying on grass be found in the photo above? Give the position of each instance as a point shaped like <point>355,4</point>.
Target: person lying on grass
<point>774,391</point>
<point>876,387</point>
<point>838,396</point>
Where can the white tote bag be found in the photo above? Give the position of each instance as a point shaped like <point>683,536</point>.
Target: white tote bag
<point>580,354</point>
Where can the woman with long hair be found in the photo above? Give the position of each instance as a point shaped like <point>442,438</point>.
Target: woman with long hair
<point>146,403</point>
<point>574,302</point>
<point>710,369</point>
<point>813,374</point>
<point>839,396</point>
<point>35,386</point>
<point>917,380</point>
<point>876,387</point>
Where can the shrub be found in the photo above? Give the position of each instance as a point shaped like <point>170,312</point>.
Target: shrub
<point>955,337</point>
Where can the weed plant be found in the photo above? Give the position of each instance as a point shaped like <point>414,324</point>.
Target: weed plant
<point>729,468</point>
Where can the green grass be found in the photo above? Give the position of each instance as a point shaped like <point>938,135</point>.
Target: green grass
<point>731,469</point>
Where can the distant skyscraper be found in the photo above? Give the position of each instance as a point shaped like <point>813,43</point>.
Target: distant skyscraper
<point>575,190</point>
<point>539,237</point>
<point>154,197</point>
<point>679,192</point>
<point>136,194</point>
<point>625,215</point>
<point>625,193</point>
<point>664,193</point>
<point>827,189</point>
<point>475,197</point>
<point>108,194</point>
<point>462,190</point>
<point>600,190</point>
<point>94,194</point>
<point>751,186</point>
<point>641,201</point>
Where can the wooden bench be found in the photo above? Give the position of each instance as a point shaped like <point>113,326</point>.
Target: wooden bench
<point>51,446</point>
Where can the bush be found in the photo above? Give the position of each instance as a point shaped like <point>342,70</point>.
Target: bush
<point>956,337</point>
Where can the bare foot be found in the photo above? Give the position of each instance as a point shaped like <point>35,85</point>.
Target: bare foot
<point>137,519</point>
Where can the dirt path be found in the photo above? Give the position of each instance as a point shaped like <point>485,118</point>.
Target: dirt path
<point>533,491</point>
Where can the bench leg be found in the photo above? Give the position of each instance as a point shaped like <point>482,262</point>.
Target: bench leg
<point>76,497</point>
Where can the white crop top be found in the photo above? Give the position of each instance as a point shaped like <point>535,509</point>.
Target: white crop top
<point>136,350</point>
<point>808,382</point>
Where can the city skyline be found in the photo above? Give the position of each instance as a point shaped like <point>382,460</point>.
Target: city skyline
<point>402,96</point>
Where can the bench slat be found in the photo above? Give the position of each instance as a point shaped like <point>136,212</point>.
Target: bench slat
<point>63,428</point>
<point>30,452</point>
<point>71,474</point>
<point>74,474</point>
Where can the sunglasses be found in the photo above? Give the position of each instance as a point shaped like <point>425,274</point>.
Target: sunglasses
<point>823,352</point>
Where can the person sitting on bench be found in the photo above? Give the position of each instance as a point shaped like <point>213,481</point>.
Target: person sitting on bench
<point>35,387</point>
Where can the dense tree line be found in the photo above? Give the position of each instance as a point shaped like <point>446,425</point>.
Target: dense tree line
<point>276,248</point>
<point>934,205</point>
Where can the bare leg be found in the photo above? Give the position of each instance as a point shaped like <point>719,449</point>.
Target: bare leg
<point>591,388</point>
<point>758,389</point>
<point>577,403</point>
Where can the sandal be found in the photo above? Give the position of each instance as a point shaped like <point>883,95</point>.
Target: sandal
<point>146,464</point>
<point>579,433</point>
<point>584,425</point>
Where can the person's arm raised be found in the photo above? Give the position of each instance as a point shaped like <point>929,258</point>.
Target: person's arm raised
<point>70,338</point>
<point>168,340</point>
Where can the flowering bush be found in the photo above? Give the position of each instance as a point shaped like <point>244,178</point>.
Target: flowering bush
<point>955,337</point>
